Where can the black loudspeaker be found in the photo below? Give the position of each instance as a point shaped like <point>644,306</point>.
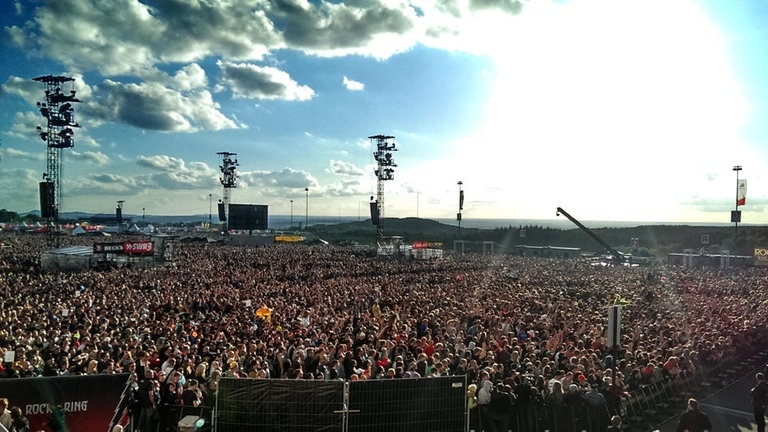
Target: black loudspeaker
<point>47,200</point>
<point>375,213</point>
<point>222,213</point>
<point>119,215</point>
<point>736,216</point>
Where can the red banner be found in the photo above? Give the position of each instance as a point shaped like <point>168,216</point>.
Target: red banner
<point>142,247</point>
<point>88,402</point>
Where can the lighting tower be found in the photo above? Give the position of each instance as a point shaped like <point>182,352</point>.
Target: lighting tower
<point>58,134</point>
<point>385,170</point>
<point>228,179</point>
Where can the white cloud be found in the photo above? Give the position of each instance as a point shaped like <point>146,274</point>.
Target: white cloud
<point>262,82</point>
<point>154,106</point>
<point>345,169</point>
<point>14,153</point>
<point>352,85</point>
<point>98,158</point>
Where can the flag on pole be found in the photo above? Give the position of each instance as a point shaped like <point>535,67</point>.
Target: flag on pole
<point>741,196</point>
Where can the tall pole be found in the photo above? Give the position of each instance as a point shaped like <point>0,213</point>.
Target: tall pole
<point>736,214</point>
<point>210,209</point>
<point>306,208</point>
<point>417,204</point>
<point>461,206</point>
<point>120,216</point>
<point>143,215</point>
<point>291,214</point>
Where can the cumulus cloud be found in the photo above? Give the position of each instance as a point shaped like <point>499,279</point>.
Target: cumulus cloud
<point>25,125</point>
<point>371,27</point>
<point>98,158</point>
<point>346,187</point>
<point>345,168</point>
<point>87,141</point>
<point>250,81</point>
<point>162,163</point>
<point>508,6</point>
<point>278,183</point>
<point>81,34</point>
<point>352,84</point>
<point>29,90</point>
<point>173,173</point>
<point>107,184</point>
<point>14,153</point>
<point>189,77</point>
<point>156,107</point>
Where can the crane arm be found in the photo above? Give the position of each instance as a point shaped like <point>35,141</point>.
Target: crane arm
<point>616,254</point>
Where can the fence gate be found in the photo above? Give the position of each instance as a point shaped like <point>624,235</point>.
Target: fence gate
<point>418,405</point>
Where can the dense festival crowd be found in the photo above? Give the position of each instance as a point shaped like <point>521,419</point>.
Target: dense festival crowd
<point>523,330</point>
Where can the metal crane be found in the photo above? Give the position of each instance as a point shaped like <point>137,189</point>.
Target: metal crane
<point>617,256</point>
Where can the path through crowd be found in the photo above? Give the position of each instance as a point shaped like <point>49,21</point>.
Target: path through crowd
<point>729,409</point>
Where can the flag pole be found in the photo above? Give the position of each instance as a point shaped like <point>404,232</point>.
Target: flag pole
<point>737,216</point>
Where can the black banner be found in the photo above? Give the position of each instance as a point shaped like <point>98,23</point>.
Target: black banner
<point>116,248</point>
<point>87,402</point>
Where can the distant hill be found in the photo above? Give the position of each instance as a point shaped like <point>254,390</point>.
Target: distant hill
<point>653,240</point>
<point>657,240</point>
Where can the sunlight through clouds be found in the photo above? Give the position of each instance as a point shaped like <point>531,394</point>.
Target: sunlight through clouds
<point>634,102</point>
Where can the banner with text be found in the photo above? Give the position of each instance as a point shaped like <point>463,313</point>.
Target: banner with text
<point>761,256</point>
<point>88,402</point>
<point>129,247</point>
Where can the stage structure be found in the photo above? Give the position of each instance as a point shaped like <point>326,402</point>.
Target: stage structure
<point>57,134</point>
<point>228,181</point>
<point>385,170</point>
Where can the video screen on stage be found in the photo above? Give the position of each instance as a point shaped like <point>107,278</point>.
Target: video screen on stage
<point>247,217</point>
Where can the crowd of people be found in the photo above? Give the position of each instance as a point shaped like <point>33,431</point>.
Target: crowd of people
<point>523,330</point>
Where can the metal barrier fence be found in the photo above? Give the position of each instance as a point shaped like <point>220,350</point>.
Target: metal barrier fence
<point>418,405</point>
<point>439,404</point>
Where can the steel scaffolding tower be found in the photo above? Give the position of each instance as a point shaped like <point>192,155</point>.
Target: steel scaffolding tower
<point>385,170</point>
<point>58,134</point>
<point>228,181</point>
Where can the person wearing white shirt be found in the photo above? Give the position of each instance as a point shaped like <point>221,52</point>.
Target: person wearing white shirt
<point>5,416</point>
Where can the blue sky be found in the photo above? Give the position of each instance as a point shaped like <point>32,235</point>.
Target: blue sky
<point>614,110</point>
